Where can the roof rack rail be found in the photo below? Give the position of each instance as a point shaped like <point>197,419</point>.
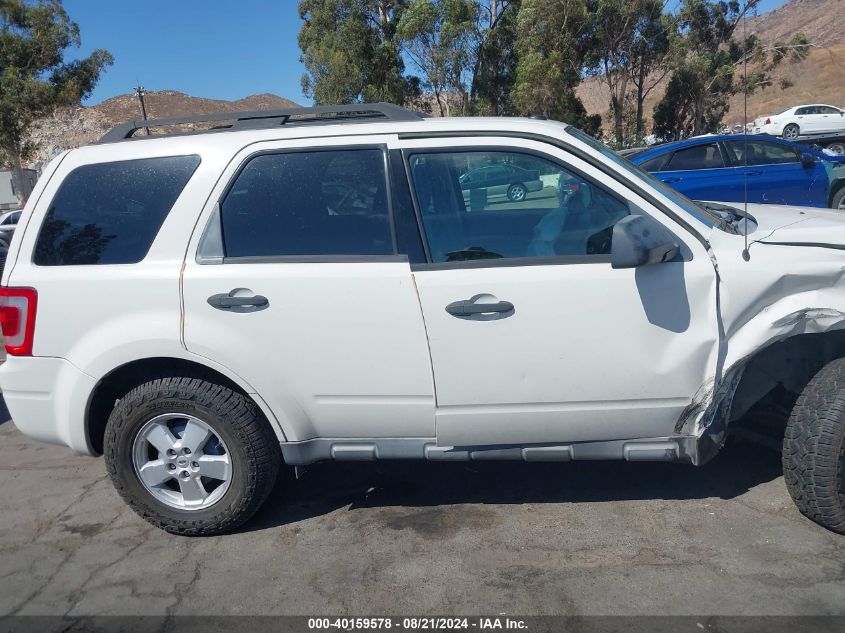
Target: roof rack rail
<point>271,118</point>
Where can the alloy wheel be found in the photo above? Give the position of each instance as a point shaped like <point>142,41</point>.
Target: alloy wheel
<point>181,461</point>
<point>517,193</point>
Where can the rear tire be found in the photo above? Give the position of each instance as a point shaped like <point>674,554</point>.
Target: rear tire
<point>791,132</point>
<point>228,428</point>
<point>517,192</point>
<point>837,148</point>
<point>814,448</point>
<point>838,200</point>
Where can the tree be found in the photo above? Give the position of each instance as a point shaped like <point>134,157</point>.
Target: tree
<point>351,53</point>
<point>650,59</point>
<point>707,55</point>
<point>630,42</point>
<point>35,79</point>
<point>440,38</point>
<point>495,66</point>
<point>553,40</point>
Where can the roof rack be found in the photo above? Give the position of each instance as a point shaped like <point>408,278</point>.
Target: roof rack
<point>272,118</point>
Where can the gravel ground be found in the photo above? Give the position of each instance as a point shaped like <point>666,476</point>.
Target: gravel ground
<point>401,538</point>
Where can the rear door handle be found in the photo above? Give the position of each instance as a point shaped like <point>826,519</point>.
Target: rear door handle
<point>753,173</point>
<point>670,179</point>
<point>228,300</point>
<point>469,309</point>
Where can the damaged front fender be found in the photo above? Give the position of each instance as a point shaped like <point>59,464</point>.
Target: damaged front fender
<point>781,294</point>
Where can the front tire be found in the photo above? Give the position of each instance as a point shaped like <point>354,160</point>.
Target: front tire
<point>838,200</point>
<point>814,448</point>
<point>791,132</point>
<point>189,456</point>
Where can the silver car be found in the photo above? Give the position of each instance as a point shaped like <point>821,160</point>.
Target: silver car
<point>502,179</point>
<point>8,223</point>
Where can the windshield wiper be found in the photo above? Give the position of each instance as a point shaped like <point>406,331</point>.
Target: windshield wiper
<point>730,216</point>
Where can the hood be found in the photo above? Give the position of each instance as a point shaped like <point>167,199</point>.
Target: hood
<point>796,225</point>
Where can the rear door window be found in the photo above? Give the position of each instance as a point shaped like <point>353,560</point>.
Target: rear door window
<point>705,156</point>
<point>331,202</point>
<point>654,164</point>
<point>110,213</point>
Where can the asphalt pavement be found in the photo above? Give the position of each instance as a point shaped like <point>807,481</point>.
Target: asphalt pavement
<point>400,538</point>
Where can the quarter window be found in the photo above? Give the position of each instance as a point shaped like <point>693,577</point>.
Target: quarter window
<point>308,203</point>
<point>494,204</point>
<point>110,213</point>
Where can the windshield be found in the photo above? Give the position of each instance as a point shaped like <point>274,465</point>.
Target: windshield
<point>701,214</point>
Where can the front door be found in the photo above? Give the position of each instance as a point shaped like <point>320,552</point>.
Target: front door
<point>832,119</point>
<point>297,288</point>
<point>534,338</point>
<point>775,175</point>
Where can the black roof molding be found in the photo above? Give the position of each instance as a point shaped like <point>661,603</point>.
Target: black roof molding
<point>261,119</point>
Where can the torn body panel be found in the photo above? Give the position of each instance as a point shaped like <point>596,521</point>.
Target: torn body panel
<point>782,316</point>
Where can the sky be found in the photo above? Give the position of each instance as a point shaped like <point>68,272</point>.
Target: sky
<point>218,49</point>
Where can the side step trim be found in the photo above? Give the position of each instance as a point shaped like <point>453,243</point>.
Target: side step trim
<point>662,449</point>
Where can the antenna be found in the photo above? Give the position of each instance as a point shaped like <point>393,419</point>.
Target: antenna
<point>745,254</point>
<point>140,92</point>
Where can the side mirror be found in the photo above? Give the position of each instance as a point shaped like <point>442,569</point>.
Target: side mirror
<point>639,241</point>
<point>807,160</point>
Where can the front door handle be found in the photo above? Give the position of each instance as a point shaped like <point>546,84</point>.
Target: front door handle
<point>469,309</point>
<point>671,179</point>
<point>753,173</point>
<point>230,300</point>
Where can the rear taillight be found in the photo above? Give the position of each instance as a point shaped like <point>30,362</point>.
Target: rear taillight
<point>768,121</point>
<point>17,319</point>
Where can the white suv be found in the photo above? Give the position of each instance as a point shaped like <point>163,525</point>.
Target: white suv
<point>320,284</point>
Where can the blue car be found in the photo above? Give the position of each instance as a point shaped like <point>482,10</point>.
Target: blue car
<point>775,172</point>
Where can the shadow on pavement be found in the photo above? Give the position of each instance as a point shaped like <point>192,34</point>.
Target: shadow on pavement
<point>328,486</point>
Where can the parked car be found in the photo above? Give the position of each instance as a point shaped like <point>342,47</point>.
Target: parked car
<point>774,172</point>
<point>502,179</point>
<point>195,308</point>
<point>802,120</point>
<point>8,223</point>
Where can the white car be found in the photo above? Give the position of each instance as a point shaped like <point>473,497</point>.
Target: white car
<point>311,285</point>
<point>805,120</point>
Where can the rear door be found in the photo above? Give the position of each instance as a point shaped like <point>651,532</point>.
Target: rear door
<point>807,119</point>
<point>298,287</point>
<point>698,171</point>
<point>774,174</point>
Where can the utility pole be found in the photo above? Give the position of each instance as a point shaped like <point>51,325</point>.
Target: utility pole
<point>140,92</point>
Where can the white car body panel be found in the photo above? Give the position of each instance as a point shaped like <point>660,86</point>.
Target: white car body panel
<point>366,349</point>
<point>802,286</point>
